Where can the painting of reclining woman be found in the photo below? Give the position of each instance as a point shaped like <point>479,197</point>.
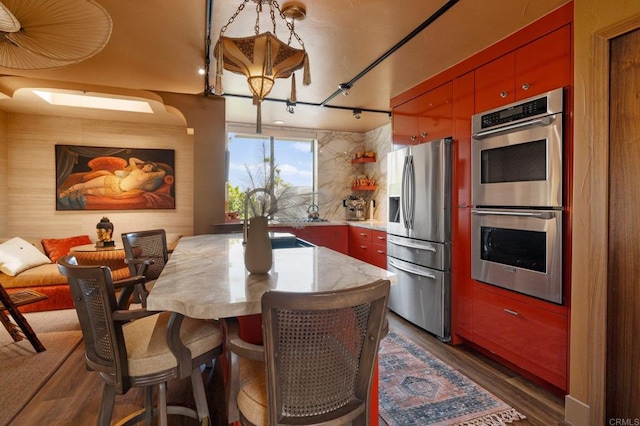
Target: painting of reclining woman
<point>96,178</point>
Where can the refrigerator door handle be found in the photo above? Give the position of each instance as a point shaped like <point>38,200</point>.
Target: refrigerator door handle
<point>411,270</point>
<point>411,190</point>
<point>411,245</point>
<point>403,195</point>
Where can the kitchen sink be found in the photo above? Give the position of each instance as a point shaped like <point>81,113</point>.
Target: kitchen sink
<point>280,240</point>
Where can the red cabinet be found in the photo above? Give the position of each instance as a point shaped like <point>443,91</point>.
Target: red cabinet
<point>368,245</point>
<point>537,67</point>
<point>523,331</point>
<point>425,118</point>
<point>334,237</point>
<point>532,338</point>
<point>461,282</point>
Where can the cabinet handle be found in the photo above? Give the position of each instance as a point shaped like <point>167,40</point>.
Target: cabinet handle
<point>525,86</point>
<point>509,311</point>
<point>363,234</point>
<point>363,247</point>
<point>380,251</point>
<point>423,134</point>
<point>413,138</point>
<point>503,94</point>
<point>380,238</point>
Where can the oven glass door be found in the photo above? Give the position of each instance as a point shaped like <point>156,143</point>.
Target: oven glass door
<point>520,167</point>
<point>520,250</point>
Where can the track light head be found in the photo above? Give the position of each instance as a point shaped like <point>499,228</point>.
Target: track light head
<point>357,113</point>
<point>290,107</point>
<point>345,88</point>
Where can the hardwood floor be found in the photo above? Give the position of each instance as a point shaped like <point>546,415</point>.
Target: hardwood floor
<point>72,395</point>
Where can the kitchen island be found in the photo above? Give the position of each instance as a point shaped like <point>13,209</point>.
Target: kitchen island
<point>206,278</point>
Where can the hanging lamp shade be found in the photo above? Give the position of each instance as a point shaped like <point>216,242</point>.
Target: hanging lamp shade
<point>51,33</point>
<point>261,58</point>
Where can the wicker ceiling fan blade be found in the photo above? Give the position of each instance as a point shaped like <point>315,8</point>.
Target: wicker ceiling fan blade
<point>8,22</point>
<point>65,31</point>
<point>15,57</point>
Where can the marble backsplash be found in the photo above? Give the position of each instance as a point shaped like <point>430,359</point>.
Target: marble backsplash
<point>336,171</point>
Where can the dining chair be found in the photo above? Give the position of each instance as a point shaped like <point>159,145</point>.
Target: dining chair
<point>136,347</point>
<point>146,253</point>
<point>317,362</point>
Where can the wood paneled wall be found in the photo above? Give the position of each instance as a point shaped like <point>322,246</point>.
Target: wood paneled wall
<point>29,207</point>
<point>4,187</point>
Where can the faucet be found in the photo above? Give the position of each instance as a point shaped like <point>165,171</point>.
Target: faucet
<point>245,225</point>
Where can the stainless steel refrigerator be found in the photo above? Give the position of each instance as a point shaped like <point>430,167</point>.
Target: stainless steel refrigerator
<point>419,234</point>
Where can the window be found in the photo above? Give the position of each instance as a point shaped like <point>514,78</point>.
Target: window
<point>255,161</point>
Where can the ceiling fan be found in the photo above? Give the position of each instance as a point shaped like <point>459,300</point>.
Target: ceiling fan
<point>39,34</point>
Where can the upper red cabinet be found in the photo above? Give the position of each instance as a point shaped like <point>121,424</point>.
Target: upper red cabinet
<point>425,118</point>
<point>537,67</point>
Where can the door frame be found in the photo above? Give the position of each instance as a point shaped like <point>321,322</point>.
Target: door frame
<point>599,101</point>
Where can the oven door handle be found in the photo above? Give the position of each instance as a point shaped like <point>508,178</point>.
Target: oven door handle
<point>411,270</point>
<point>539,215</point>
<point>544,121</point>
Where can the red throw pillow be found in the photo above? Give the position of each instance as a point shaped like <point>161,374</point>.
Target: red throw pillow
<point>56,248</point>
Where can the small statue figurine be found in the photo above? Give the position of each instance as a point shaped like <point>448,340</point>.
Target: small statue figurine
<point>104,230</point>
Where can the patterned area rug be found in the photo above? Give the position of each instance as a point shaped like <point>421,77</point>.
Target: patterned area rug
<point>417,388</point>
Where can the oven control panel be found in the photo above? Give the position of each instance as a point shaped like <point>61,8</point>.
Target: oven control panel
<point>527,109</point>
<point>517,112</point>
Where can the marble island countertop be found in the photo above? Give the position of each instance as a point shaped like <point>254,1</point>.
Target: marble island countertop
<point>372,224</point>
<point>298,223</point>
<point>206,277</point>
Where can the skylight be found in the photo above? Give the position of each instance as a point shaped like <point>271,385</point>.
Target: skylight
<point>94,101</point>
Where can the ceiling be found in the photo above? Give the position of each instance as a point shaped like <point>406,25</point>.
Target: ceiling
<point>159,45</point>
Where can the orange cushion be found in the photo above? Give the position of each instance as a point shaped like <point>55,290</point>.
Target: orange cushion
<point>56,248</point>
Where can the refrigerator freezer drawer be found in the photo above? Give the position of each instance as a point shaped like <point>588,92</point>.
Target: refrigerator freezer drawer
<point>422,296</point>
<point>425,253</point>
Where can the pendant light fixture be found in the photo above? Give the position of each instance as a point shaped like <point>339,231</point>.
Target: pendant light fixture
<point>262,57</point>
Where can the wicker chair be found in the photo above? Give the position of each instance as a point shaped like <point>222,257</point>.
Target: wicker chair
<point>136,347</point>
<point>319,355</point>
<point>146,254</point>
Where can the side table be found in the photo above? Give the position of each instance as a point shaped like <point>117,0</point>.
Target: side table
<point>10,302</point>
<point>113,257</point>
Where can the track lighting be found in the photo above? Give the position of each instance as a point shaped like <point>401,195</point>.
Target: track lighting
<point>290,107</point>
<point>345,88</point>
<point>357,113</point>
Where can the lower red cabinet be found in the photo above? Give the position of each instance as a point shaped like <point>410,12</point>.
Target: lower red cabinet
<point>368,245</point>
<point>530,337</point>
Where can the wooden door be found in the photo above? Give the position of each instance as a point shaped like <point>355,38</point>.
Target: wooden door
<point>623,298</point>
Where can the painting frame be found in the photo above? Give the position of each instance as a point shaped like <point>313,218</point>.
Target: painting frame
<point>112,178</point>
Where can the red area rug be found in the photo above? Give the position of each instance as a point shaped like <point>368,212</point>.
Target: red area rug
<point>417,388</point>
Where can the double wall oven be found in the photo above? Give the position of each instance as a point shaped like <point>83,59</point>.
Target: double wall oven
<point>517,186</point>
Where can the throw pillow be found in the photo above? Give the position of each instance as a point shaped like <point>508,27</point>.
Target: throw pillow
<point>17,255</point>
<point>55,248</point>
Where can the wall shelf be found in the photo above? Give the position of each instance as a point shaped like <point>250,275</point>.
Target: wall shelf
<point>364,160</point>
<point>364,188</point>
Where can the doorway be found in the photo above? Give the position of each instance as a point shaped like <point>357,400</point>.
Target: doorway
<point>623,288</point>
